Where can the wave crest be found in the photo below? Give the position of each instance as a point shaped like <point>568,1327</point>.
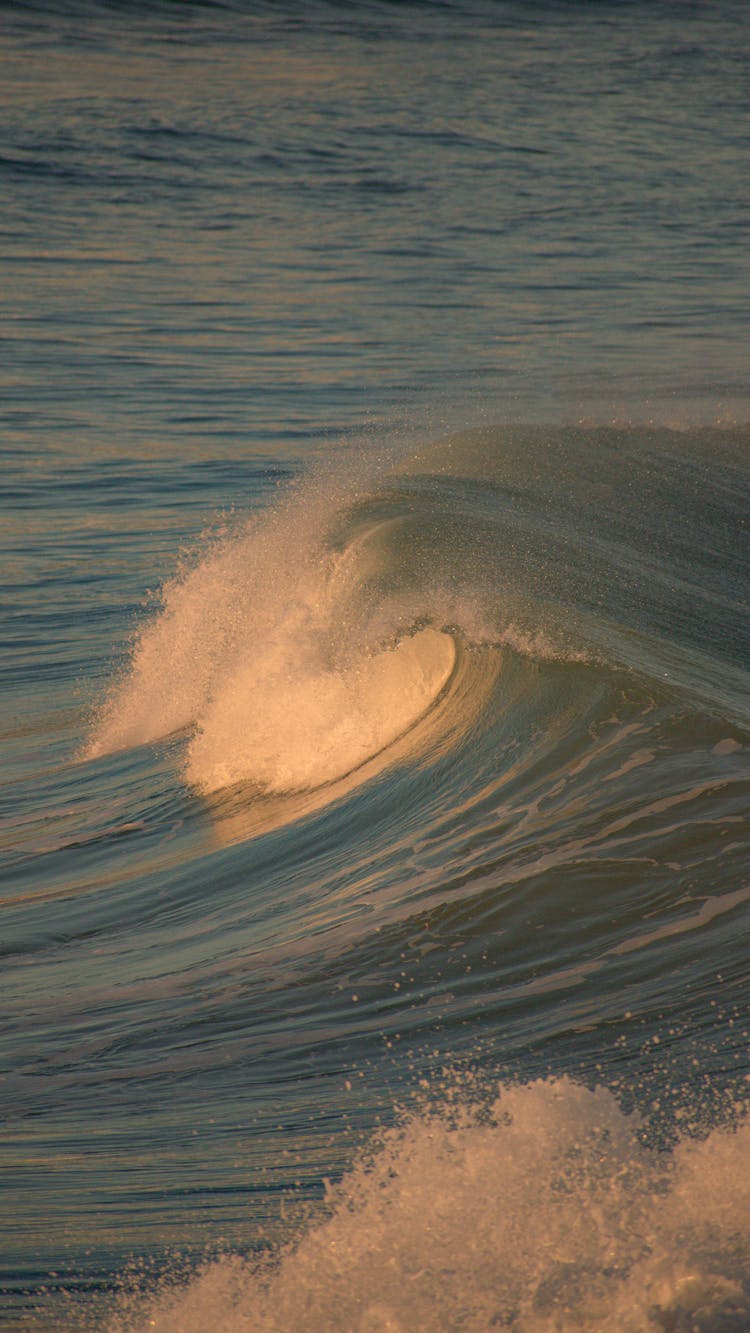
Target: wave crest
<point>291,724</point>
<point>284,656</point>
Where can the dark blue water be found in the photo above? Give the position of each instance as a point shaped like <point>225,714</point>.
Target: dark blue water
<point>375,697</point>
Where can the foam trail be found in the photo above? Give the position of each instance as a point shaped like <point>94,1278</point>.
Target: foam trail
<point>547,1213</point>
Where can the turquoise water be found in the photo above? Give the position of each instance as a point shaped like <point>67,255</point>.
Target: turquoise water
<point>375,696</point>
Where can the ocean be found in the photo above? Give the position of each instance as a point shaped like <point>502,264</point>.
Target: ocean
<point>375,717</point>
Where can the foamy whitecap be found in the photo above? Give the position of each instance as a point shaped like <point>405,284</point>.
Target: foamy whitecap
<point>543,1214</point>
<point>297,725</point>
<point>270,653</point>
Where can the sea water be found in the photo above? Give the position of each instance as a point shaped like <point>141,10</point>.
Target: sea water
<point>375,781</point>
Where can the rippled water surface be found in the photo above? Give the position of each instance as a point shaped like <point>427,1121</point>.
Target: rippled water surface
<point>375,781</point>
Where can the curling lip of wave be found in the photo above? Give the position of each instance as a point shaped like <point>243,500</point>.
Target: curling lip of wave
<point>318,725</point>
<point>286,660</point>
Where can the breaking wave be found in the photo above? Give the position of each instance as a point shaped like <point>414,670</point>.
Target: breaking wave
<point>304,643</point>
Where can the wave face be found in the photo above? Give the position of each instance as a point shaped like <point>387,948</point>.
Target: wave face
<point>298,646</point>
<point>537,727</point>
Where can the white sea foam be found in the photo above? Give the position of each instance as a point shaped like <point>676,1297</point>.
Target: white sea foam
<point>292,725</point>
<point>544,1215</point>
<point>269,652</point>
<point>255,650</point>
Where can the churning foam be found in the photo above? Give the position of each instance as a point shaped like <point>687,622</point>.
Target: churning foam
<point>543,1214</point>
<point>268,650</point>
<point>292,729</point>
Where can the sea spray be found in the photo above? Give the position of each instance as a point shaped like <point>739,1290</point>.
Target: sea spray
<point>543,1212</point>
<point>289,724</point>
<point>285,648</point>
